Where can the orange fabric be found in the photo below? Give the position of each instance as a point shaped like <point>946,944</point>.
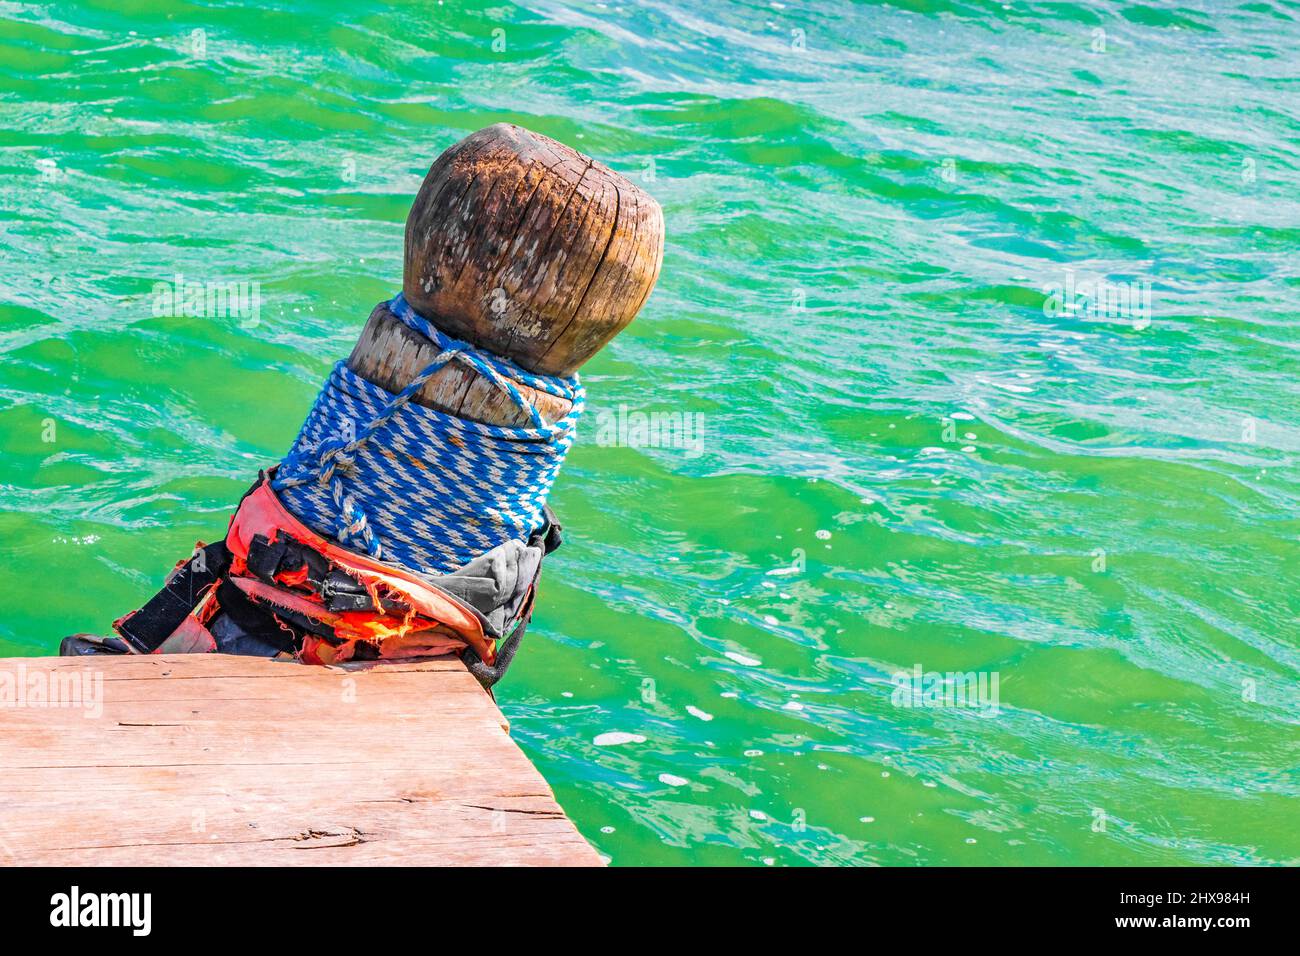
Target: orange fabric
<point>190,638</point>
<point>437,623</point>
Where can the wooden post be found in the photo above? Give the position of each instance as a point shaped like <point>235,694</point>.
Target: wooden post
<point>527,249</point>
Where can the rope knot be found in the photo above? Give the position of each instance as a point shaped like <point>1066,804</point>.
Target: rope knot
<point>345,464</point>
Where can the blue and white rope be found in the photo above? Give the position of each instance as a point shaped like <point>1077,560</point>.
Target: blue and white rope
<point>417,487</point>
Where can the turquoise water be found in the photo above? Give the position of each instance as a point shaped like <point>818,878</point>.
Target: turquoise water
<point>912,454</point>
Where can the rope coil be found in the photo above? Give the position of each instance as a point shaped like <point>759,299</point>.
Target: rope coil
<point>417,487</point>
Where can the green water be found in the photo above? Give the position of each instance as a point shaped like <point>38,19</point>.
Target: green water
<point>906,459</point>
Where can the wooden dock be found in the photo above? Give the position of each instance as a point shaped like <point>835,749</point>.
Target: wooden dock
<point>216,760</point>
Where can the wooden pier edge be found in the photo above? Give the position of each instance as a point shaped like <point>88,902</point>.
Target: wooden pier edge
<point>210,760</point>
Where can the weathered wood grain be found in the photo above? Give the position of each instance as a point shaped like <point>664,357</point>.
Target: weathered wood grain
<point>524,247</point>
<point>210,759</point>
<point>530,249</point>
<point>392,355</point>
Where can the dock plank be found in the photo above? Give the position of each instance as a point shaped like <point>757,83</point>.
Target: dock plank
<point>216,760</point>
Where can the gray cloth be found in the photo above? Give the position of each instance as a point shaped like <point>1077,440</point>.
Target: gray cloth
<point>496,583</point>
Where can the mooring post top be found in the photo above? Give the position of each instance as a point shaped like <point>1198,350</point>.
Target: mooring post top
<point>529,249</point>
